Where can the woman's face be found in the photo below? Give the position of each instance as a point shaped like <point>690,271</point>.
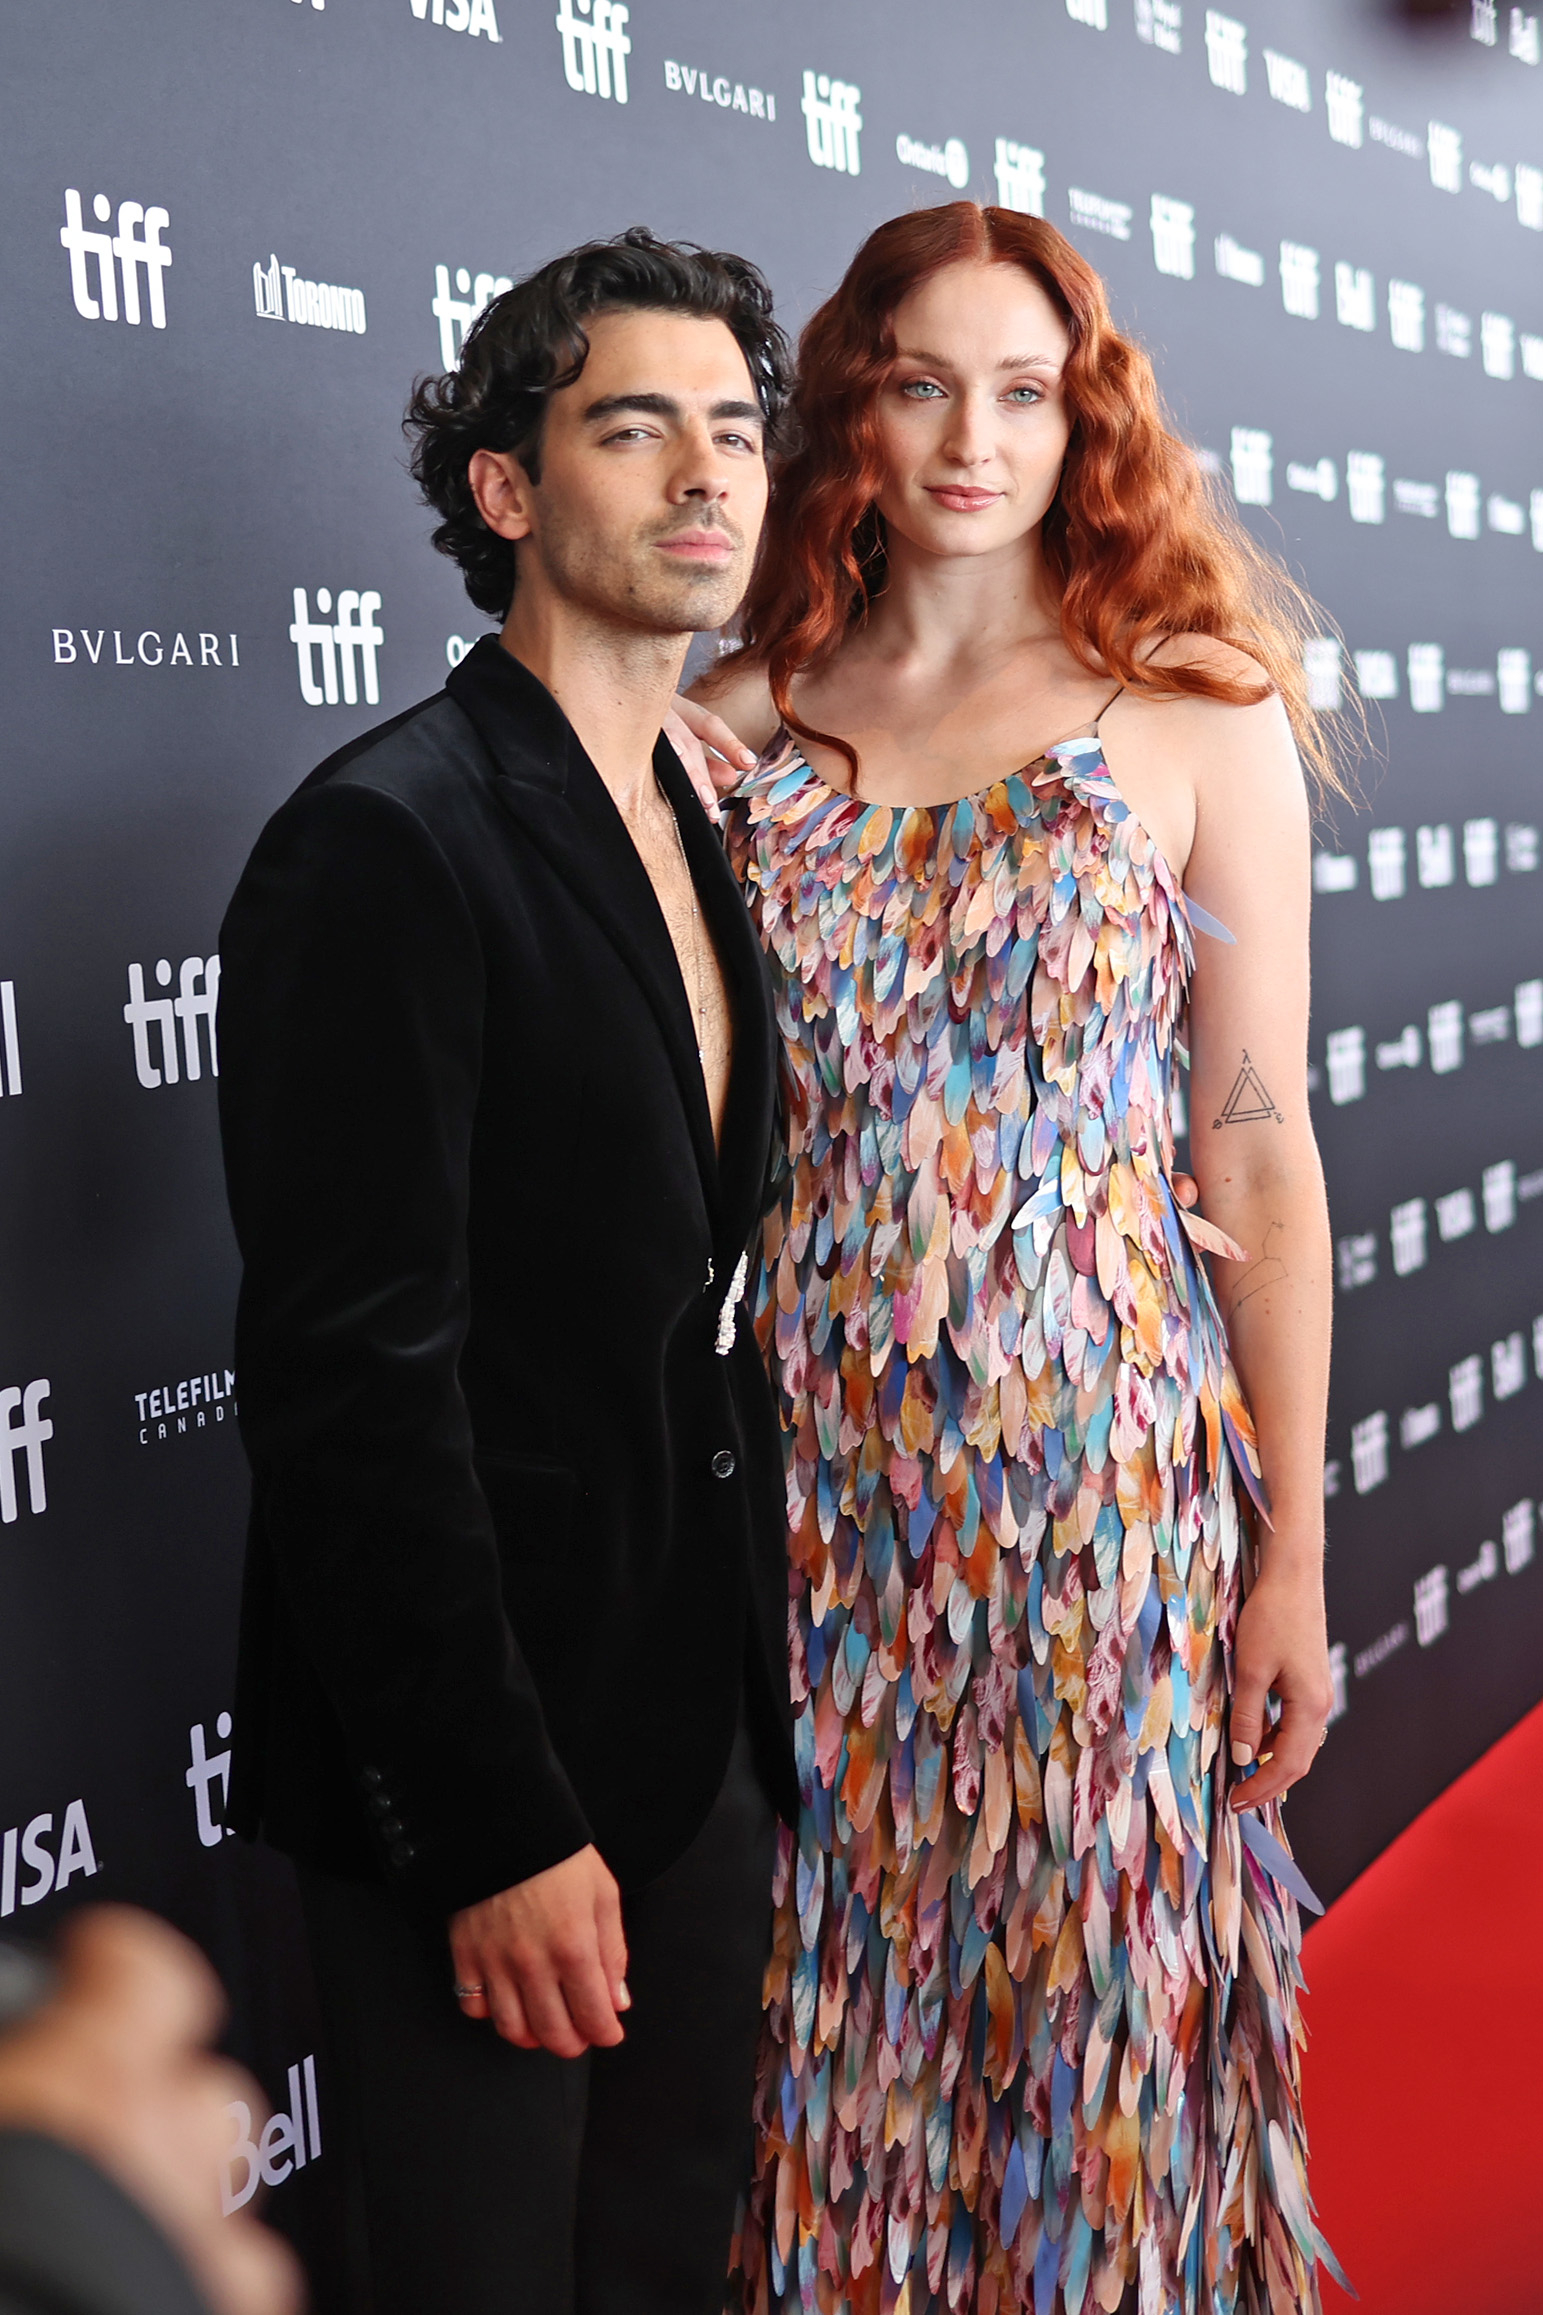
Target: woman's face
<point>972,421</point>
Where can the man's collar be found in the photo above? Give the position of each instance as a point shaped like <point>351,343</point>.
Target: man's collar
<point>527,731</point>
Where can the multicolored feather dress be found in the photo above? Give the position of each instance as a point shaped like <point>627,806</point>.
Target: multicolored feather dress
<point>1032,2027</point>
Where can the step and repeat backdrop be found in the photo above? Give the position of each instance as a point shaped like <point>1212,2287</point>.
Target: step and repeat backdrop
<point>235,232</point>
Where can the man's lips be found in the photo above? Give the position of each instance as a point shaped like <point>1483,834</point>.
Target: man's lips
<point>699,546</point>
<point>960,498</point>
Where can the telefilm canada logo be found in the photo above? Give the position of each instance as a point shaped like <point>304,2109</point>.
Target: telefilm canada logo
<point>281,294</point>
<point>136,247</point>
<point>178,1410</point>
<point>334,655</point>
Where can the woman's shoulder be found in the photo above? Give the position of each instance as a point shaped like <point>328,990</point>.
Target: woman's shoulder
<point>737,690</point>
<point>1207,655</point>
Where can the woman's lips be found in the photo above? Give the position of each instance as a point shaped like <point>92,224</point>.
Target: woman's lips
<point>961,500</point>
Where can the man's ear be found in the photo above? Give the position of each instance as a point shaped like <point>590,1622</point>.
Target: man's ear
<point>502,490</point>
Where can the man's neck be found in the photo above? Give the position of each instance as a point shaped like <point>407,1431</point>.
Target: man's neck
<point>614,684</point>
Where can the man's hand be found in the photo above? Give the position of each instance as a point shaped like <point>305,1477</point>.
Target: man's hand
<point>548,1959</point>
<point>716,759</point>
<point>115,2065</point>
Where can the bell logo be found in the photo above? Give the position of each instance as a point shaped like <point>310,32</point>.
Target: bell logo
<point>595,47</point>
<point>355,631</point>
<point>288,2141</point>
<point>136,246</point>
<point>190,1005</point>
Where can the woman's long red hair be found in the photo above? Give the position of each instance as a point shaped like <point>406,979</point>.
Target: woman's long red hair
<point>1138,542</point>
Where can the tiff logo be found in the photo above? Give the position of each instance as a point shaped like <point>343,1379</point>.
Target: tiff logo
<point>206,1770</point>
<point>833,123</point>
<point>137,245</point>
<point>455,315</point>
<point>354,631</point>
<point>27,1437</point>
<point>595,51</point>
<point>1020,175</point>
<point>190,1006</point>
<point>469,16</point>
<point>10,1044</point>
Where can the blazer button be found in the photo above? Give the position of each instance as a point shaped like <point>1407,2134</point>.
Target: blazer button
<point>724,1465</point>
<point>392,1829</point>
<point>371,1779</point>
<point>380,1804</point>
<point>402,1852</point>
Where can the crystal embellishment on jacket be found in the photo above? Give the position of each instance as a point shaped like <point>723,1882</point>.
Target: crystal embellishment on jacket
<point>1032,2030</point>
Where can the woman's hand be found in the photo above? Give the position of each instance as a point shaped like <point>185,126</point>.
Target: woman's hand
<point>716,759</point>
<point>1282,1644</point>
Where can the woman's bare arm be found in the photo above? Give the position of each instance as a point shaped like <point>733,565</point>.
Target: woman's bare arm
<point>1256,1161</point>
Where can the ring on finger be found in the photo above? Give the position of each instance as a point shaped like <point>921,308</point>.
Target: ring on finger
<point>468,1993</point>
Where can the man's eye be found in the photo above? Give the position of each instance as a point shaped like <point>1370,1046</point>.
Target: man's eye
<point>739,441</point>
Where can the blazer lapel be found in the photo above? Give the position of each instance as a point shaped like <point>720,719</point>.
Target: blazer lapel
<point>751,1107</point>
<point>552,790</point>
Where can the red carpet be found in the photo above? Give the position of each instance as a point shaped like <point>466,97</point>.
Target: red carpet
<point>1425,2062</point>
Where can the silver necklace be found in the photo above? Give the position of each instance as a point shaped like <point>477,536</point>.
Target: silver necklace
<point>699,1009</point>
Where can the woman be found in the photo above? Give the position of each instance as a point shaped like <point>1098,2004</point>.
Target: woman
<point>1026,705</point>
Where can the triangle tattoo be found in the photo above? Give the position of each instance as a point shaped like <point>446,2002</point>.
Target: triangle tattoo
<point>1249,1102</point>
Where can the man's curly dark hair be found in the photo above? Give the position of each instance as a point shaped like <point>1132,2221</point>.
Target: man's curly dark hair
<point>531,342</point>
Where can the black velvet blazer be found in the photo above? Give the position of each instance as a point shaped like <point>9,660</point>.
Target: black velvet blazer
<point>517,1528</point>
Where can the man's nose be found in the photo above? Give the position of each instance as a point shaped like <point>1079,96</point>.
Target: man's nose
<point>702,470</point>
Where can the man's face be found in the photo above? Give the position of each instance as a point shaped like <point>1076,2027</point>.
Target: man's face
<point>653,478</point>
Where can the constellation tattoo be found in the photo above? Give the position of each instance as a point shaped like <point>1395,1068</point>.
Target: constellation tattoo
<point>1249,1102</point>
<point>1269,1270</point>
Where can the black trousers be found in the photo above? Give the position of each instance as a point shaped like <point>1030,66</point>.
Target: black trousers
<point>488,2180</point>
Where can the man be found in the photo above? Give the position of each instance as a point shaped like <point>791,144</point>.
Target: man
<point>497,1098</point>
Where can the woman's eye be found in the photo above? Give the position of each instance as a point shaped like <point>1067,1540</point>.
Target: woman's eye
<point>1025,396</point>
<point>921,389</point>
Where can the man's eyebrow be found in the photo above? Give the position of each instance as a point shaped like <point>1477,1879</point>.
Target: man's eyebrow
<point>664,406</point>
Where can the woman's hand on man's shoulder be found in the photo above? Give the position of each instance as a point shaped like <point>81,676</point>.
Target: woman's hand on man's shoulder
<point>718,728</point>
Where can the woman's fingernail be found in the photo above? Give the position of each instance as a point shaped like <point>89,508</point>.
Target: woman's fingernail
<point>1265,1756</point>
<point>624,1998</point>
<point>746,758</point>
<point>1242,1754</point>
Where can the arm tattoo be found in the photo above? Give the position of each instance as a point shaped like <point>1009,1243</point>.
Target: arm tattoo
<point>1269,1270</point>
<point>1248,1103</point>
